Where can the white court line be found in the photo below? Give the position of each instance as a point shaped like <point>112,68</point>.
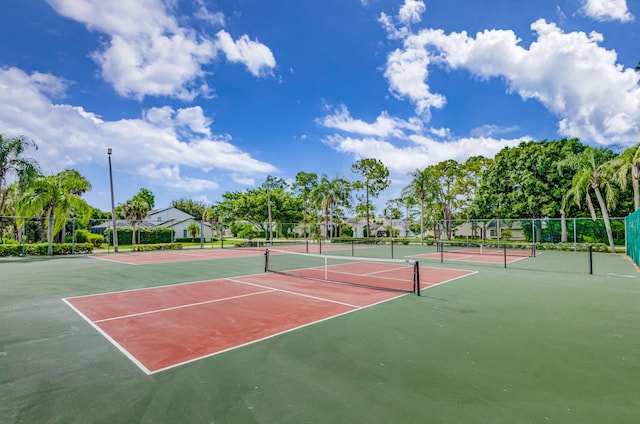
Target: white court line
<point>294,293</point>
<point>144,369</point>
<point>106,335</point>
<point>188,305</point>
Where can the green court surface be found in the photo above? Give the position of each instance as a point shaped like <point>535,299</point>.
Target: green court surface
<point>540,341</point>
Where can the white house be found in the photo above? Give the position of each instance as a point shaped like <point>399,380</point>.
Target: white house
<point>170,217</point>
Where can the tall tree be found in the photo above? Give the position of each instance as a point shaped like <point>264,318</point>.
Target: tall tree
<point>591,173</point>
<point>628,165</point>
<point>148,196</point>
<point>449,175</point>
<point>525,181</point>
<point>192,207</point>
<point>328,195</point>
<point>14,163</point>
<point>56,197</point>
<point>423,187</point>
<point>375,179</point>
<point>251,205</point>
<point>304,185</point>
<point>135,211</point>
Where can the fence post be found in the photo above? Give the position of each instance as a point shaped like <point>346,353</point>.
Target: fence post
<point>73,236</point>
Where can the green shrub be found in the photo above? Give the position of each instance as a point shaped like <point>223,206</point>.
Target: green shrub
<point>148,235</point>
<point>161,246</point>
<point>10,249</point>
<point>40,249</point>
<point>96,239</point>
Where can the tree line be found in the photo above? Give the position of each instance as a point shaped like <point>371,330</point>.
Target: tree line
<point>536,179</point>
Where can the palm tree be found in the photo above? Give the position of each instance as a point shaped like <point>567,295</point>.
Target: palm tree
<point>194,230</point>
<point>328,195</point>
<point>592,173</point>
<point>56,197</point>
<point>134,211</point>
<point>423,186</point>
<point>628,163</point>
<point>12,162</point>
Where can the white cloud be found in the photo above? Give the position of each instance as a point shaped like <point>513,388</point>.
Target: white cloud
<point>420,153</point>
<point>169,176</point>
<point>607,10</point>
<point>411,11</point>
<point>401,145</point>
<point>149,53</point>
<point>407,73</point>
<point>213,18</point>
<point>489,130</point>
<point>384,126</point>
<point>156,147</point>
<point>255,56</point>
<point>194,119</point>
<point>595,98</point>
<point>397,27</point>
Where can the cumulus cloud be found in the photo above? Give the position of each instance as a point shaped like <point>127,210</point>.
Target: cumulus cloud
<point>155,147</point>
<point>607,10</point>
<point>149,53</point>
<point>411,11</point>
<point>421,152</point>
<point>397,27</point>
<point>595,98</point>
<point>384,126</point>
<point>255,56</point>
<point>404,146</point>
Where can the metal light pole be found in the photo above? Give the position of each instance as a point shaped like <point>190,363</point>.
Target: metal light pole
<point>113,206</point>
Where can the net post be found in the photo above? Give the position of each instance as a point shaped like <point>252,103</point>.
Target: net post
<point>416,277</point>
<point>306,242</point>
<point>505,255</point>
<point>353,243</point>
<point>392,249</point>
<point>320,246</point>
<point>441,247</point>
<point>266,260</point>
<point>590,260</point>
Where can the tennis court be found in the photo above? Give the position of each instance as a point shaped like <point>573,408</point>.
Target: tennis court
<point>162,327</point>
<point>223,341</point>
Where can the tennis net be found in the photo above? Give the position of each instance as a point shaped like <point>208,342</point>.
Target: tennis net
<point>383,274</point>
<point>488,248</point>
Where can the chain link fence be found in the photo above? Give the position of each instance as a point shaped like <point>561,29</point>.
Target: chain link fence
<point>633,236</point>
<point>568,234</point>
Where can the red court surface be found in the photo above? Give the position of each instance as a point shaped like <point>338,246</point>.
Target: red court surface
<point>163,327</point>
<point>183,255</point>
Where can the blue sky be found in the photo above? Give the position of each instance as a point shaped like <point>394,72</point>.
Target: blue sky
<point>198,97</point>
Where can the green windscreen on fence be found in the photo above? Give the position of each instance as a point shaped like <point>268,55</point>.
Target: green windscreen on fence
<point>633,236</point>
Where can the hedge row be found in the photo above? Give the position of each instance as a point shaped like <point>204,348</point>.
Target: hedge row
<point>150,247</point>
<point>41,249</point>
<point>148,235</point>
